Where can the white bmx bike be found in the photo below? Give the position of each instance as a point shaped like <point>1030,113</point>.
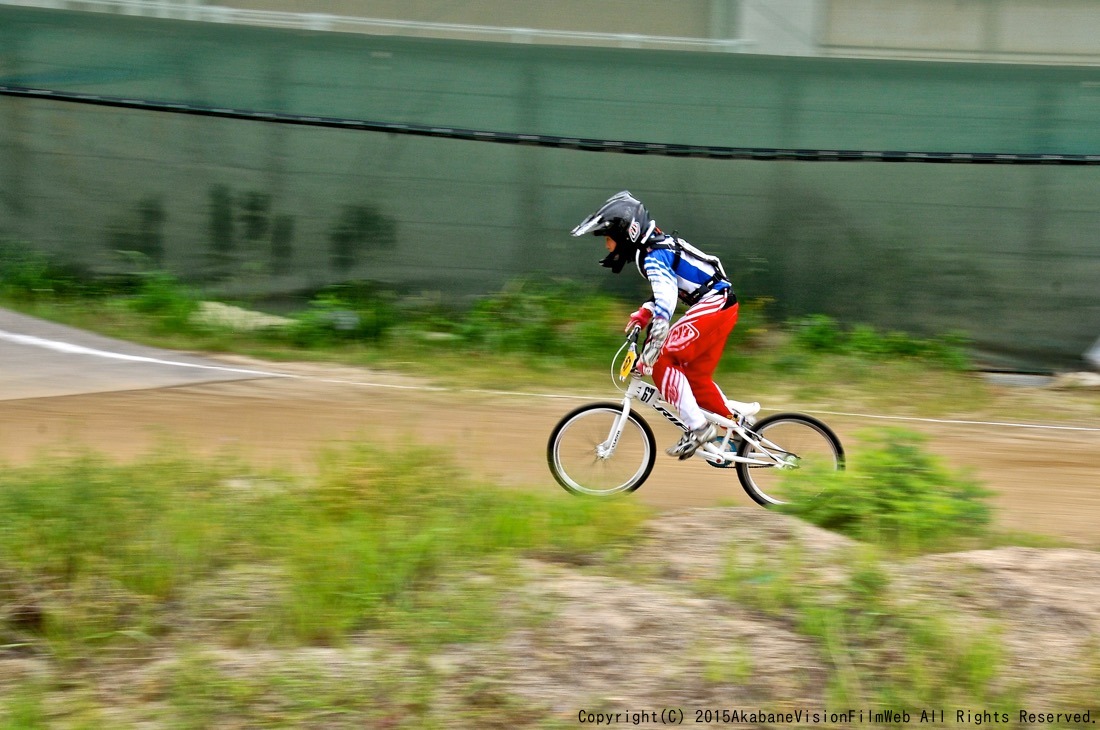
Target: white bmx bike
<point>605,449</point>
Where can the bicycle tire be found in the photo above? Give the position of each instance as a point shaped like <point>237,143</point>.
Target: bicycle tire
<point>572,458</point>
<point>803,436</point>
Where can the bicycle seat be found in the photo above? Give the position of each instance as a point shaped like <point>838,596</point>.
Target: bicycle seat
<point>745,409</point>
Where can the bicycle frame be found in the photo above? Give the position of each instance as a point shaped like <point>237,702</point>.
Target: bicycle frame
<point>768,453</point>
<point>716,453</point>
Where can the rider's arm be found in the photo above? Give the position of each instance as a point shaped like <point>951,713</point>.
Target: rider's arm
<point>658,269</point>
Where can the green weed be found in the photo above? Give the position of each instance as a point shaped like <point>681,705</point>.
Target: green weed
<point>370,531</point>
<point>27,274</point>
<point>294,692</point>
<point>167,303</point>
<point>560,320</point>
<point>880,647</point>
<point>823,334</point>
<point>23,709</point>
<point>353,312</point>
<point>727,665</point>
<point>893,493</point>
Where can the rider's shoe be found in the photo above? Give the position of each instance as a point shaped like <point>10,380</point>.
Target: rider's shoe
<point>691,441</point>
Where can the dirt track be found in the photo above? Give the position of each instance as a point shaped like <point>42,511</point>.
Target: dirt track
<point>1045,481</point>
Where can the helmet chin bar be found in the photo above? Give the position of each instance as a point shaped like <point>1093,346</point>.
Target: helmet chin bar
<point>615,260</point>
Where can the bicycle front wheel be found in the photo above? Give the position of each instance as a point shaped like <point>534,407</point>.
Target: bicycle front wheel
<point>796,442</point>
<point>584,460</point>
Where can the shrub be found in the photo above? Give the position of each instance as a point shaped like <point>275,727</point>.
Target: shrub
<point>167,300</point>
<point>551,319</point>
<point>894,493</point>
<point>26,273</point>
<point>821,333</point>
<point>345,313</point>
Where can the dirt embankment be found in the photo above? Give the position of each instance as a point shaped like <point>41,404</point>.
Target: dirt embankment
<point>649,631</point>
<point>659,643</point>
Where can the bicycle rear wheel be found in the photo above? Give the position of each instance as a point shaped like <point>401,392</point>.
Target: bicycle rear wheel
<point>582,463</point>
<point>802,441</point>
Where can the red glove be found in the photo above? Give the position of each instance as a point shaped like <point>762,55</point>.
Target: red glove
<point>640,319</point>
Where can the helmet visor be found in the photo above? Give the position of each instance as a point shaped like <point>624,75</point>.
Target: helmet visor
<point>591,224</point>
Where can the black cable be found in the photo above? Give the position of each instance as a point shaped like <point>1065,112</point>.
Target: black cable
<point>552,141</point>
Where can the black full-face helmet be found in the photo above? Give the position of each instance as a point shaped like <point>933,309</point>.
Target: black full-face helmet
<point>624,219</point>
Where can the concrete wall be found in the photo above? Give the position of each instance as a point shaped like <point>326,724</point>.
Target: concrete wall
<point>690,18</point>
<point>1026,31</point>
<point>781,27</point>
<point>1023,31</point>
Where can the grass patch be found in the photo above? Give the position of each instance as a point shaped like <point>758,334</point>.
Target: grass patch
<point>23,708</point>
<point>880,648</point>
<point>374,538</point>
<point>245,580</point>
<point>731,664</point>
<point>893,493</point>
<point>821,333</point>
<point>202,692</point>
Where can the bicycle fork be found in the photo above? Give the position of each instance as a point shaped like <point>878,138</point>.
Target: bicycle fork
<point>607,448</point>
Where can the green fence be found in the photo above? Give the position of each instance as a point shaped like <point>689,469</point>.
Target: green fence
<point>1007,253</point>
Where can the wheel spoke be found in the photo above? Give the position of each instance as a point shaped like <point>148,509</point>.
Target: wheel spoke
<point>800,442</point>
<point>577,458</point>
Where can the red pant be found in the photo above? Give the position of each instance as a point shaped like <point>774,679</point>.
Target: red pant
<point>684,371</point>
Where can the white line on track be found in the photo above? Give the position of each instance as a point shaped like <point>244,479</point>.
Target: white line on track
<point>955,422</point>
<point>72,349</point>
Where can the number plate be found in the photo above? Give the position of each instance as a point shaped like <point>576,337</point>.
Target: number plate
<point>628,365</point>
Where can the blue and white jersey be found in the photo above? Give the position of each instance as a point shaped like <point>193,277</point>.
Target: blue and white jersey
<point>671,278</point>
